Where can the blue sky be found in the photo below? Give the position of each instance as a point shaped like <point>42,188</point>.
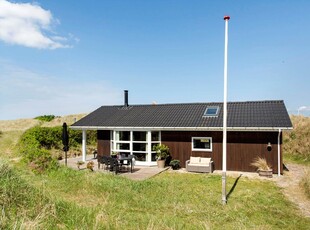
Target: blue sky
<point>66,57</point>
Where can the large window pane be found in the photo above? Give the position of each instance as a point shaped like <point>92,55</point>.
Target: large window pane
<point>140,156</point>
<point>155,136</point>
<point>123,135</point>
<point>139,136</point>
<point>122,146</point>
<point>139,147</point>
<point>153,156</point>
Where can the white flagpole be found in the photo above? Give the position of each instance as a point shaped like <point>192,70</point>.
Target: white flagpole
<point>224,199</point>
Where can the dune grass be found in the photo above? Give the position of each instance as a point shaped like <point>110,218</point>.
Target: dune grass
<point>72,199</point>
<point>8,141</point>
<point>296,143</point>
<point>305,183</point>
<point>69,199</point>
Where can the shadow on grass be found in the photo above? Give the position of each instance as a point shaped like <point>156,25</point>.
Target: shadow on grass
<point>233,187</point>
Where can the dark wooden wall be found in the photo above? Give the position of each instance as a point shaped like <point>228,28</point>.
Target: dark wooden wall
<point>242,148</point>
<point>103,143</point>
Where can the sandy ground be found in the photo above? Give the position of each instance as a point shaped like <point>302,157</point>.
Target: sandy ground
<point>289,183</point>
<point>20,124</point>
<point>24,124</point>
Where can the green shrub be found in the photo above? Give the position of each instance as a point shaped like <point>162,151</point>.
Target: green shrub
<point>46,118</point>
<point>35,143</point>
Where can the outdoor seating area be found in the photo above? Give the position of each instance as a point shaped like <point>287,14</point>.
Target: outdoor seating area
<point>132,172</point>
<point>199,164</point>
<point>116,164</point>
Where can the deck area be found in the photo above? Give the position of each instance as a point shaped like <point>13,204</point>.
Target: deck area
<point>139,172</point>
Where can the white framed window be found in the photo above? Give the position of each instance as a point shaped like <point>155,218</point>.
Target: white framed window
<point>137,143</point>
<point>202,144</point>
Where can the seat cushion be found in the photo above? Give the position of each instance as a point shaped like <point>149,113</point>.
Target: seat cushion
<point>194,160</point>
<point>205,160</point>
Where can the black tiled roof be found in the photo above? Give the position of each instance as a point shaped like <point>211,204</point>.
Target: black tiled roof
<point>250,114</point>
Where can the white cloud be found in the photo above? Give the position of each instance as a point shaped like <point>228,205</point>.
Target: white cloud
<point>26,94</point>
<point>304,108</point>
<point>25,23</point>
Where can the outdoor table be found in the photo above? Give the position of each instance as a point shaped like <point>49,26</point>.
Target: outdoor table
<point>128,159</point>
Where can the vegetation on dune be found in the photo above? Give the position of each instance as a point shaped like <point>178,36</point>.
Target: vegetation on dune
<point>24,206</point>
<point>35,143</point>
<point>296,143</point>
<point>46,118</point>
<point>305,183</point>
<point>72,199</point>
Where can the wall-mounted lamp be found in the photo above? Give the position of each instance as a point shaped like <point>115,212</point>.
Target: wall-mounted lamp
<point>269,147</point>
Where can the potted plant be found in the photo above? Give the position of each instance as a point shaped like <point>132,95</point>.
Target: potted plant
<point>162,152</point>
<point>79,163</point>
<point>262,167</point>
<point>90,165</point>
<point>114,154</point>
<point>175,164</point>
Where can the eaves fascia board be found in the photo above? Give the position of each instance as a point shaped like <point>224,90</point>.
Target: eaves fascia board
<point>180,128</point>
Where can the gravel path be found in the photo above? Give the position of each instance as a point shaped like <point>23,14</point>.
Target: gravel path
<point>291,189</point>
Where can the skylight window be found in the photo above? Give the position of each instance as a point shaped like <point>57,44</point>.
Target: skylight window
<point>211,111</point>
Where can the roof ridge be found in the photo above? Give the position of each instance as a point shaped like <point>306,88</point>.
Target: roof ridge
<point>197,103</point>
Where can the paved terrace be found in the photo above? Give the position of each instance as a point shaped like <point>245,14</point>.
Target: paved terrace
<point>139,172</point>
<point>145,172</point>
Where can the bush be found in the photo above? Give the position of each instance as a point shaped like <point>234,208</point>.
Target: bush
<point>35,143</point>
<point>49,138</point>
<point>46,118</point>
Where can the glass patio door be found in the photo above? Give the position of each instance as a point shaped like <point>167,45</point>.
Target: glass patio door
<point>137,143</point>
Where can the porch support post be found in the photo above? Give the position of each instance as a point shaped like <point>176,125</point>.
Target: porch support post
<point>279,153</point>
<point>83,145</point>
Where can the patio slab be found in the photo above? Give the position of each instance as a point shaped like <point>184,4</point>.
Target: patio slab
<point>139,172</point>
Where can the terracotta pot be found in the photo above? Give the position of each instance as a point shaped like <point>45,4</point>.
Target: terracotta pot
<point>161,163</point>
<point>265,173</point>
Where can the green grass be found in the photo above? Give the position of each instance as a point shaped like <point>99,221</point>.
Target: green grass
<point>73,199</point>
<point>69,199</point>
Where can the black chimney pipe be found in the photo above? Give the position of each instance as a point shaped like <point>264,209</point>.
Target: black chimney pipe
<point>126,98</point>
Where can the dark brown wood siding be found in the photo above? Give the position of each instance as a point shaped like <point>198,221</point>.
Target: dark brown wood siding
<point>242,148</point>
<point>103,143</point>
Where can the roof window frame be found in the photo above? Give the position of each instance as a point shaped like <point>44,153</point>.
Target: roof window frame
<point>205,114</point>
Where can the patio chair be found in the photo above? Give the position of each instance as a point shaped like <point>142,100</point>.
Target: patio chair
<point>100,161</point>
<point>107,162</point>
<point>104,161</point>
<point>114,165</point>
<point>131,160</point>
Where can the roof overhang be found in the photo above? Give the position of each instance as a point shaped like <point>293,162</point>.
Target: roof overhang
<point>249,129</point>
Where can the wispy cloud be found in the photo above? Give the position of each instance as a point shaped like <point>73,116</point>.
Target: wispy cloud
<point>28,25</point>
<point>26,94</point>
<point>304,108</point>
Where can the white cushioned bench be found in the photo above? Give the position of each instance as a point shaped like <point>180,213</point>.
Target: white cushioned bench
<point>199,164</point>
